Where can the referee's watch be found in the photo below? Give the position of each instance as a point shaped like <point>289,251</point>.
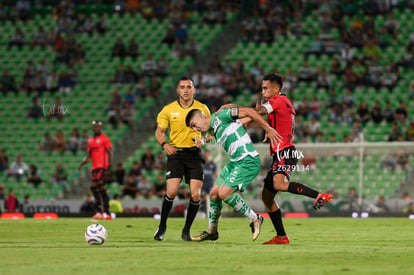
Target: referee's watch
<point>162,144</point>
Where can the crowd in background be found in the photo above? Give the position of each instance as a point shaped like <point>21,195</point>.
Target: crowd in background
<point>223,81</point>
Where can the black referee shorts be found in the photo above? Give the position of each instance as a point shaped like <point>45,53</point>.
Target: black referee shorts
<point>188,163</point>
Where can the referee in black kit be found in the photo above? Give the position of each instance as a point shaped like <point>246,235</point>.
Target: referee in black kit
<point>184,158</point>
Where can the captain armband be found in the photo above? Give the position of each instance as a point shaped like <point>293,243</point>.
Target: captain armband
<point>234,112</point>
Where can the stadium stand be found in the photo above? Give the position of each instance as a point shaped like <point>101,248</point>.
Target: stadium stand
<point>267,42</point>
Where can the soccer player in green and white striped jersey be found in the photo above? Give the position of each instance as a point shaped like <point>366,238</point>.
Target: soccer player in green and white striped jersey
<point>243,167</point>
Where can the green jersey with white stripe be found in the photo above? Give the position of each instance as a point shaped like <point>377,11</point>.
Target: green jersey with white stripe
<point>232,136</point>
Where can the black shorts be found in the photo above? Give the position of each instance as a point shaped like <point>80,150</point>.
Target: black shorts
<point>188,163</point>
<point>283,163</point>
<point>98,175</point>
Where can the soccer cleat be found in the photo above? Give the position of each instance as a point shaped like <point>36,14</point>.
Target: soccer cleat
<point>256,226</point>
<point>107,216</point>
<point>278,240</point>
<point>204,236</point>
<point>321,199</point>
<point>186,236</point>
<point>159,234</point>
<point>97,216</point>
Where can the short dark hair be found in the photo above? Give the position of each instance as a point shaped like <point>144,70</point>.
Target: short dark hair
<point>274,78</point>
<point>190,116</point>
<point>184,78</point>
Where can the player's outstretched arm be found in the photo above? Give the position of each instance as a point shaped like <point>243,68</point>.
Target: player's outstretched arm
<point>251,113</point>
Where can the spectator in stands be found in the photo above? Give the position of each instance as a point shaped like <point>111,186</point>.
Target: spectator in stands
<point>18,169</point>
<point>23,8</point>
<point>371,7</point>
<point>3,18</point>
<point>101,25</point>
<point>392,24</point>
<point>376,112</point>
<point>7,83</point>
<point>388,113</point>
<point>403,159</point>
<point>120,174</point>
<point>59,142</point>
<point>158,187</point>
<point>40,38</point>
<point>4,160</point>
<point>148,160</point>
<point>127,114</point>
<point>160,161</point>
<point>115,205</point>
<point>162,65</point>
<point>89,26</point>
<point>59,177</point>
<point>130,188</point>
<point>409,209</point>
<point>144,188</point>
<point>389,79</point>
<point>34,176</point>
<point>149,67</point>
<point>74,141</point>
<point>47,143</point>
<point>382,206</point>
<point>88,206</point>
<point>190,48</point>
<point>133,49</point>
<point>360,71</point>
<point>119,75</point>
<point>79,23</point>
<point>324,80</point>
<point>135,171</point>
<point>108,177</point>
<point>389,161</point>
<point>409,133</point>
<point>306,73</point>
<point>154,89</point>
<point>65,83</point>
<point>315,108</point>
<point>39,83</point>
<point>83,141</point>
<point>130,76</point>
<point>114,116</point>
<point>35,110</point>
<point>118,49</point>
<point>352,197</point>
<point>396,133</point>
<point>11,203</point>
<point>357,38</point>
<point>169,37</point>
<point>314,127</point>
<point>335,68</point>
<point>347,114</point>
<point>362,114</point>
<point>129,97</point>
<point>401,113</point>
<point>371,51</point>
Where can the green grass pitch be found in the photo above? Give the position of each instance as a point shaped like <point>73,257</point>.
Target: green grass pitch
<point>318,246</point>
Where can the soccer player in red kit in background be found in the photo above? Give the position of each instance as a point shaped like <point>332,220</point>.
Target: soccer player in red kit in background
<point>281,116</point>
<point>100,151</point>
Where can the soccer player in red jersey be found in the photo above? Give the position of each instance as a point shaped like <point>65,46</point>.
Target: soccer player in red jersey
<point>100,151</point>
<point>281,116</point>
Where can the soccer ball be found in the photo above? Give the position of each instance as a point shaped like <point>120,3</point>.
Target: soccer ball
<point>95,234</point>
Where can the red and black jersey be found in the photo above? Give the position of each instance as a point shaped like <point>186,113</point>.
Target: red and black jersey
<point>281,116</point>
